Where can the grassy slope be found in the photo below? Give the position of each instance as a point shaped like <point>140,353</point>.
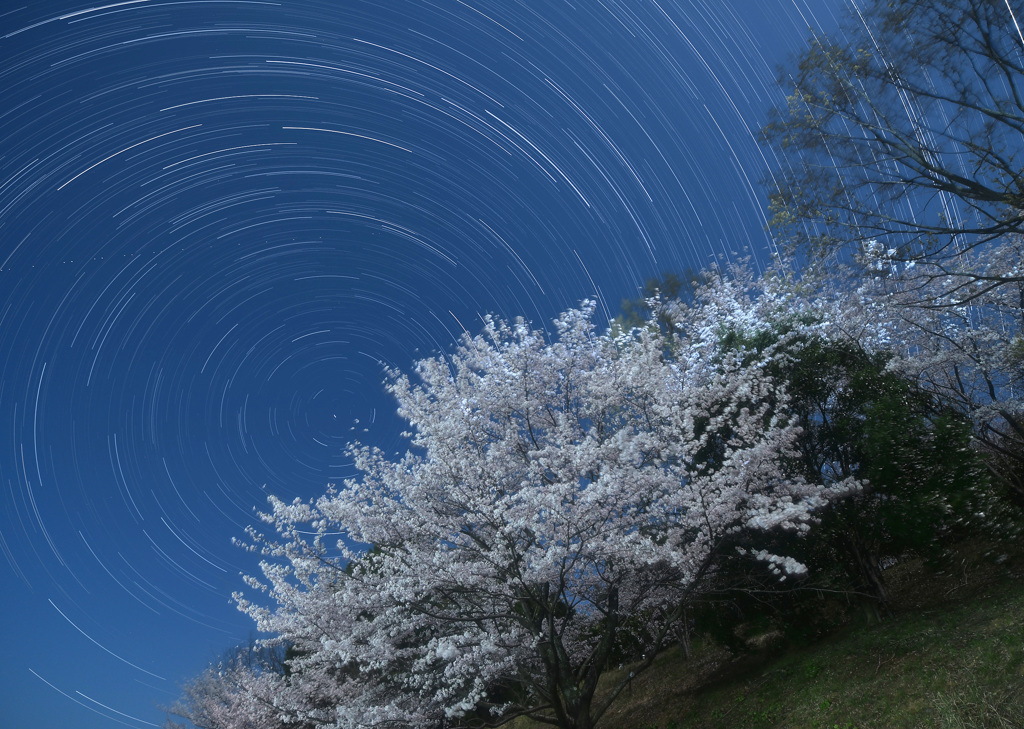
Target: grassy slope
<point>953,658</point>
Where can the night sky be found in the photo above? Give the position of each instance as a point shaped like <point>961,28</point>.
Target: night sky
<point>221,220</point>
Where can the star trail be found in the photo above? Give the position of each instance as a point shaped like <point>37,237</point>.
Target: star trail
<point>222,221</point>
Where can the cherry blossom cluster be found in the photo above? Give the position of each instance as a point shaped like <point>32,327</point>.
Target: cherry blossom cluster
<point>556,494</point>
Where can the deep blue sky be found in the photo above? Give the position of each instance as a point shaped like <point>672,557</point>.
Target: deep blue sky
<point>219,221</point>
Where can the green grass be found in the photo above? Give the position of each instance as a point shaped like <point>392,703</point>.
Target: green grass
<point>959,667</point>
<point>952,663</point>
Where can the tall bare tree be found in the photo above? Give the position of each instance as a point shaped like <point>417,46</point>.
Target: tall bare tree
<point>902,137</point>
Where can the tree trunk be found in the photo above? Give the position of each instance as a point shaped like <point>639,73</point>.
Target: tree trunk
<point>867,565</point>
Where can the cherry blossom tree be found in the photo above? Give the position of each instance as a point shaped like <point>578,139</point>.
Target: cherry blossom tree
<point>885,378</point>
<point>556,496</point>
<point>237,692</point>
<point>959,339</point>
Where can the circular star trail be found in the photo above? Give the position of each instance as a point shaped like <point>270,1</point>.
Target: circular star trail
<point>222,222</point>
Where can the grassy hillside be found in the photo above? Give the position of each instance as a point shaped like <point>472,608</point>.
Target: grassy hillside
<point>952,658</point>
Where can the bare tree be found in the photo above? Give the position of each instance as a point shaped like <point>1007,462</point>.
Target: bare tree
<point>903,137</point>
